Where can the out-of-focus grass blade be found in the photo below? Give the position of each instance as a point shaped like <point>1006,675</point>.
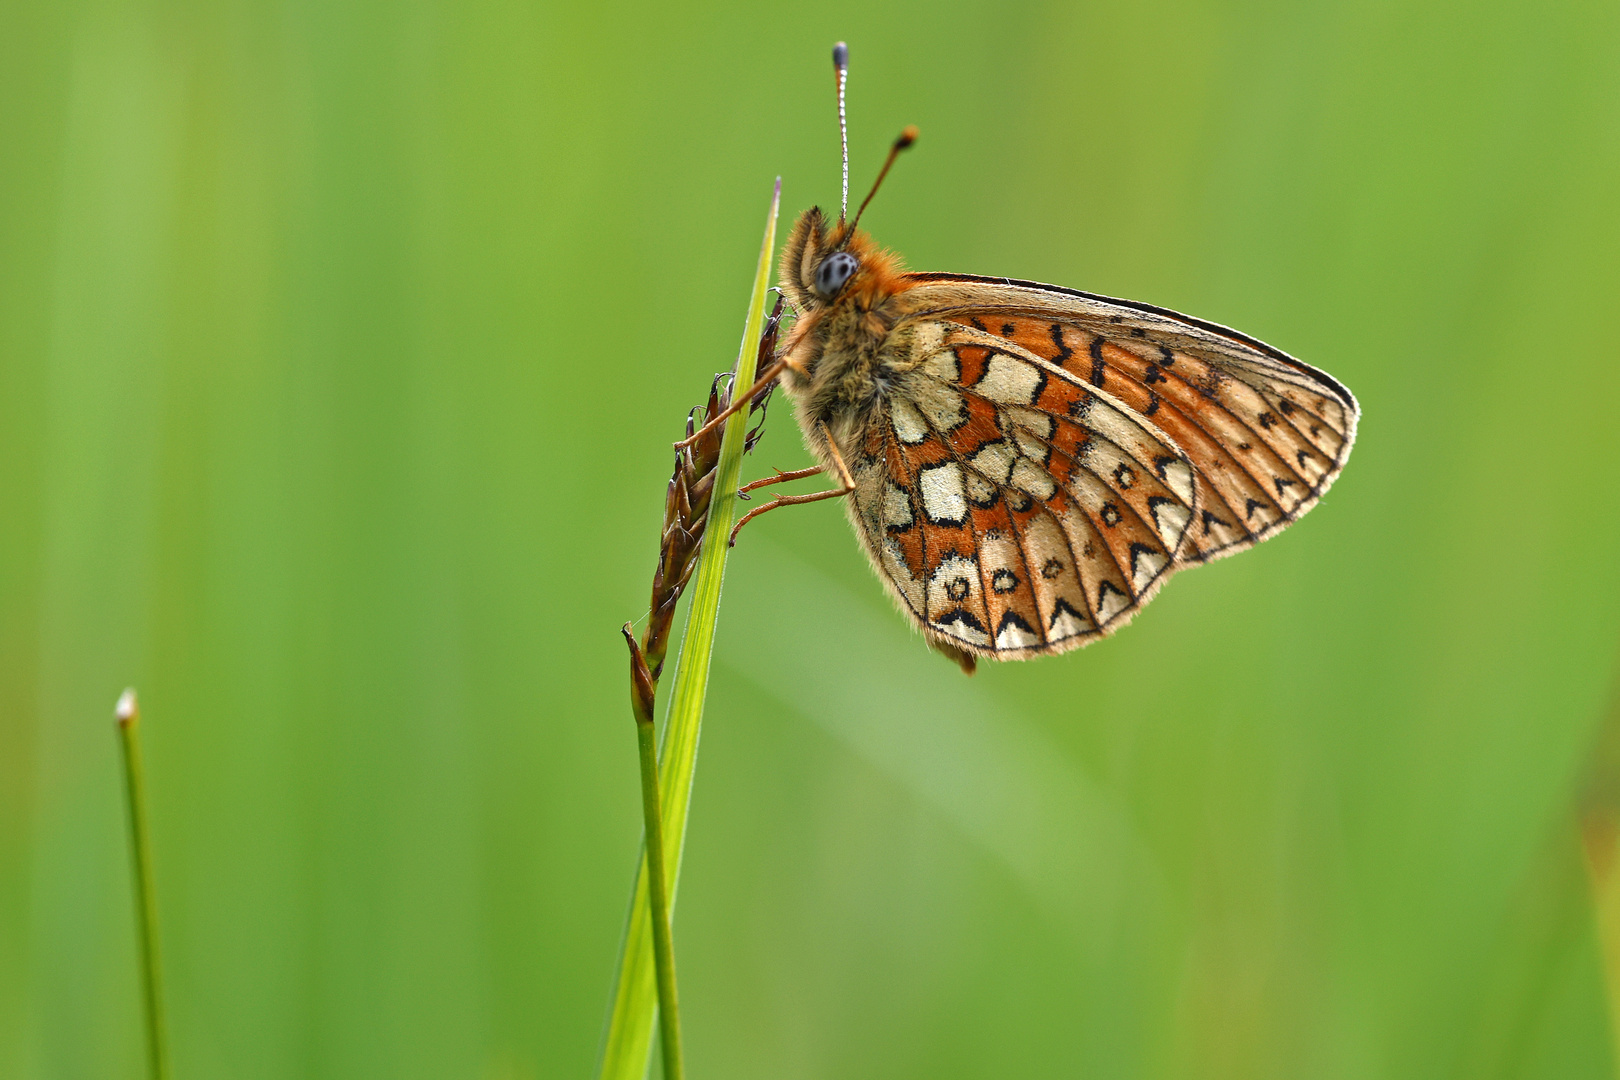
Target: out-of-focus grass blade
<point>635,998</point>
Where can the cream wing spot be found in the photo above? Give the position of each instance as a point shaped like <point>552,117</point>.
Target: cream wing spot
<point>1145,566</point>
<point>980,490</point>
<point>1178,477</point>
<point>1015,636</point>
<point>1110,601</point>
<point>896,507</point>
<point>929,337</point>
<point>1066,623</point>
<point>942,406</point>
<point>1037,423</point>
<point>1031,478</point>
<point>909,426</point>
<point>944,366</point>
<point>1110,423</point>
<point>1029,445</point>
<point>995,461</point>
<point>870,478</point>
<point>1009,380</point>
<point>944,496</point>
<point>1170,520</point>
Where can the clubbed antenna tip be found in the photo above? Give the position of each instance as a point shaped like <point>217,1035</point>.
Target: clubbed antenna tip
<point>907,137</point>
<point>127,708</point>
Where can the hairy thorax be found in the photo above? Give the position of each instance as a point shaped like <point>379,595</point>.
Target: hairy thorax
<point>846,350</point>
<point>850,353</point>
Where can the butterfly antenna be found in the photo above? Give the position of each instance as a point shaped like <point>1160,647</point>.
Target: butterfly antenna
<point>907,137</point>
<point>841,69</point>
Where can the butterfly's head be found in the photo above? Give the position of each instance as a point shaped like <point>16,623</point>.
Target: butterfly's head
<point>824,264</point>
<point>810,275</point>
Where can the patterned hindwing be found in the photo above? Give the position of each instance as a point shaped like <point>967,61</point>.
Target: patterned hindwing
<point>1266,434</point>
<point>1014,510</point>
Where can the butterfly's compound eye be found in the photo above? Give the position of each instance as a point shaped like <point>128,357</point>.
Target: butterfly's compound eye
<point>834,270</point>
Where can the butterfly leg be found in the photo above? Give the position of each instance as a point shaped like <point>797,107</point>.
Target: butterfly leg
<point>780,478</point>
<point>845,480</point>
<point>766,380</point>
<point>793,309</point>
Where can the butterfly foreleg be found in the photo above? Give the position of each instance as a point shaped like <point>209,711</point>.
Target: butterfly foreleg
<point>765,377</point>
<point>782,297</point>
<point>780,478</point>
<point>845,480</point>
<point>766,380</point>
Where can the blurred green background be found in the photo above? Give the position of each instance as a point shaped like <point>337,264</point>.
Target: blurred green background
<point>341,346</point>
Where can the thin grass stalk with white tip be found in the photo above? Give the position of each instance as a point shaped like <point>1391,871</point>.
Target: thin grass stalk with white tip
<point>128,714</point>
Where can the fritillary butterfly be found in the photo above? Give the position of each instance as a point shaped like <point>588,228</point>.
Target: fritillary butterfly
<point>1027,465</point>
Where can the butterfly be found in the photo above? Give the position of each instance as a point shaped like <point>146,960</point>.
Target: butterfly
<point>1026,465</point>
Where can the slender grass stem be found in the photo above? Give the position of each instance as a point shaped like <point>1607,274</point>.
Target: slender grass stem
<point>669,1008</point>
<point>635,996</point>
<point>128,713</point>
<point>642,691</point>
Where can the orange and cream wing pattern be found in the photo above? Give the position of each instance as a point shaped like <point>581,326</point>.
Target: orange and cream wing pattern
<point>1014,509</point>
<point>1265,434</point>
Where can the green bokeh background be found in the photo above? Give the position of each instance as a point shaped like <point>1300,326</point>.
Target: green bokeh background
<point>341,345</point>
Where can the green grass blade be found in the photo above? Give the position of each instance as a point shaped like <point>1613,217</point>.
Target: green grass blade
<point>635,998</point>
